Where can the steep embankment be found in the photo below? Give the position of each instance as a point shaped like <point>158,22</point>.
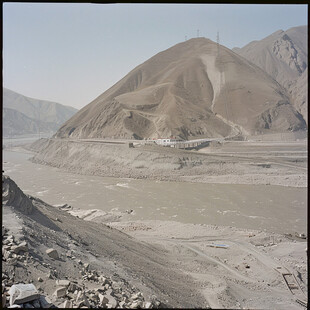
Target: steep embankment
<point>193,89</point>
<point>284,56</point>
<point>94,258</point>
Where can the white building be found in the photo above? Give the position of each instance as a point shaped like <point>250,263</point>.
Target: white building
<point>167,142</point>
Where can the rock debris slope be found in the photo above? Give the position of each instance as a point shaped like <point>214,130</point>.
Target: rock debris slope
<point>75,263</point>
<point>284,55</point>
<point>24,115</point>
<point>193,89</point>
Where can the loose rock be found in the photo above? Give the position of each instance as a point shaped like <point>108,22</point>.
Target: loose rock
<point>60,292</point>
<point>52,253</point>
<point>22,293</point>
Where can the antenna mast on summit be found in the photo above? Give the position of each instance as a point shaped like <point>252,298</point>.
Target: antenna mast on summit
<point>197,33</point>
<point>218,42</point>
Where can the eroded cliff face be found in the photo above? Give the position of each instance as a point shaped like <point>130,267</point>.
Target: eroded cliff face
<point>13,196</point>
<point>284,56</point>
<point>193,89</point>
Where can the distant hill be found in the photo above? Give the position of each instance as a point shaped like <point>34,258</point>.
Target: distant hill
<point>193,89</point>
<point>24,115</point>
<point>284,55</point>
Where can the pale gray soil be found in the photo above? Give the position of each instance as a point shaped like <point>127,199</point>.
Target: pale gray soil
<point>148,268</point>
<point>242,276</point>
<point>231,162</point>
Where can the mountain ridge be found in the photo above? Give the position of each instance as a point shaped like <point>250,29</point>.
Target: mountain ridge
<point>195,88</point>
<point>284,56</point>
<point>25,115</point>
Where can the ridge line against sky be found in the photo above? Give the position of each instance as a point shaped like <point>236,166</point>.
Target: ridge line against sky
<point>71,53</point>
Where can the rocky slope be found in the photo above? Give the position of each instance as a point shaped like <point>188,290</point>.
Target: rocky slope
<point>284,55</point>
<point>193,89</point>
<point>24,115</point>
<point>75,263</point>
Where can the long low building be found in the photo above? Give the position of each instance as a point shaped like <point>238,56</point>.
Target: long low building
<point>167,142</point>
<point>178,143</point>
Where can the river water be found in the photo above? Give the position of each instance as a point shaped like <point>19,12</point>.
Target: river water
<point>264,207</point>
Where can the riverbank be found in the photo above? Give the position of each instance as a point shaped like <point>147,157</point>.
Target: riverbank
<point>271,207</point>
<point>269,166</point>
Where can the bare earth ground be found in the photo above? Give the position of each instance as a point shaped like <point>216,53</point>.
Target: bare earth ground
<point>231,162</point>
<point>133,264</point>
<point>244,275</point>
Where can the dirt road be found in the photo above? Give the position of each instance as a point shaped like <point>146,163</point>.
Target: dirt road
<point>244,274</point>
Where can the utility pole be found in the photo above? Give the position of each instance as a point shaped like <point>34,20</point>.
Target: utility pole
<point>197,33</point>
<point>218,42</point>
<point>185,38</point>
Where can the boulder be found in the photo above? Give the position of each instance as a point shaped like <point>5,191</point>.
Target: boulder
<point>64,283</point>
<point>102,280</point>
<point>103,301</point>
<point>3,300</point>
<point>136,304</point>
<point>73,287</point>
<point>79,296</point>
<point>22,293</point>
<point>36,304</point>
<point>45,302</point>
<point>60,292</point>
<point>112,301</point>
<point>21,247</point>
<point>136,296</point>
<point>6,254</point>
<point>52,253</point>
<point>81,300</point>
<point>147,305</point>
<point>67,304</point>
<point>12,261</point>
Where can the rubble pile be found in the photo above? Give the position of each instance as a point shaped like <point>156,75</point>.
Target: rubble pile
<point>91,290</point>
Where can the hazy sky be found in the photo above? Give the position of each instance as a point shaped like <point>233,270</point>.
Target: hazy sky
<point>71,53</point>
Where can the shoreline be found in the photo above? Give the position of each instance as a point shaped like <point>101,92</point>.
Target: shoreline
<point>215,203</point>
<point>168,164</point>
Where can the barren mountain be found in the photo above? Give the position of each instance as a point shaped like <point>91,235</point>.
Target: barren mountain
<point>24,115</point>
<point>193,89</point>
<point>284,55</point>
<point>16,123</point>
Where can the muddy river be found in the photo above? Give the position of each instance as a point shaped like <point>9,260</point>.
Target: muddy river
<point>265,207</point>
